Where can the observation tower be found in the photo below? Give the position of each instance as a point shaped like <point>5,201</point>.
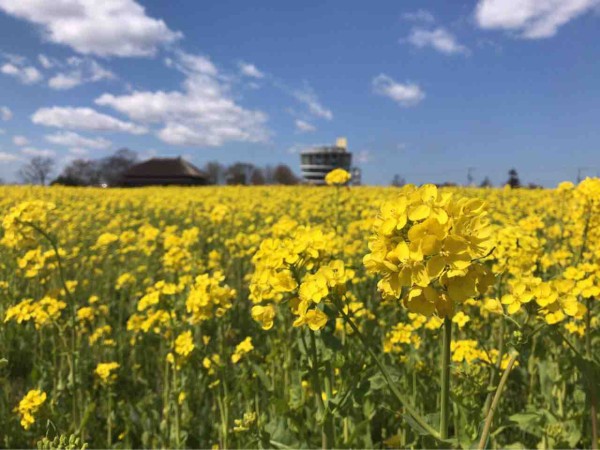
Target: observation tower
<point>316,162</point>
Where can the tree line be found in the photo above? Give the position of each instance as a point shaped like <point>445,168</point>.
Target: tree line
<point>513,181</point>
<point>108,171</point>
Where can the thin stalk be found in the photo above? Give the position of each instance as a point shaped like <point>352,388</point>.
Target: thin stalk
<point>327,426</point>
<point>495,370</point>
<point>531,368</point>
<point>401,399</point>
<point>166,402</point>
<point>73,309</point>
<point>445,378</point>
<point>223,428</point>
<point>176,406</point>
<point>490,416</point>
<point>593,400</point>
<point>108,418</point>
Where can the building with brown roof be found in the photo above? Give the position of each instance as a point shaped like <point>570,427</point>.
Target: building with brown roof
<point>164,172</point>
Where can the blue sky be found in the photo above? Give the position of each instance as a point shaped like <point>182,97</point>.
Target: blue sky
<point>425,89</point>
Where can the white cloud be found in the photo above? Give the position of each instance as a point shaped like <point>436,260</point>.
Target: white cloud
<point>364,157</point>
<point>250,70</point>
<point>408,94</point>
<point>74,140</point>
<point>304,127</point>
<point>20,140</point>
<point>83,119</point>
<point>439,39</point>
<point>297,148</point>
<point>203,113</point>
<point>81,70</point>
<point>104,28</point>
<point>25,74</point>
<point>310,99</point>
<point>46,62</point>
<point>65,81</point>
<point>421,15</point>
<point>191,64</point>
<point>78,151</point>
<point>32,151</point>
<point>5,113</point>
<point>8,157</point>
<point>531,19</point>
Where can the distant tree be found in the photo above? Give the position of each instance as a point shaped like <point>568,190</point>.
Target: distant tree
<point>282,174</point>
<point>258,177</point>
<point>240,173</point>
<point>37,170</point>
<point>513,179</point>
<point>534,186</point>
<point>80,172</point>
<point>268,173</point>
<point>398,181</point>
<point>486,183</point>
<point>113,167</point>
<point>215,172</point>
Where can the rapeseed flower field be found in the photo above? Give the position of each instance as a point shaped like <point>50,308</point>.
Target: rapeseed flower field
<point>285,317</point>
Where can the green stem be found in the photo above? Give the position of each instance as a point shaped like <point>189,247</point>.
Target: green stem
<point>495,370</point>
<point>109,418</point>
<point>445,378</point>
<point>327,425</point>
<point>490,416</point>
<point>401,399</point>
<point>593,400</point>
<point>223,428</point>
<point>166,402</point>
<point>176,406</point>
<point>73,309</point>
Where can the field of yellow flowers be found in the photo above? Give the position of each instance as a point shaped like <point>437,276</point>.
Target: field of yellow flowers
<point>285,317</point>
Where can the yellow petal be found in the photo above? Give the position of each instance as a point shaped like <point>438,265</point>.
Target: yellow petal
<point>419,213</point>
<point>435,266</point>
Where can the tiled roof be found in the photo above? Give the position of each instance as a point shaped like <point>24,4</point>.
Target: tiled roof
<point>164,168</point>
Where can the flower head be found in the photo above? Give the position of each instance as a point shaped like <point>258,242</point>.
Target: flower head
<point>337,177</point>
<point>105,372</point>
<point>29,405</point>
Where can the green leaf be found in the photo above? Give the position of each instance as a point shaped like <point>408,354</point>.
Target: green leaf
<point>331,341</point>
<point>415,426</point>
<point>525,418</point>
<point>377,382</point>
<point>262,376</point>
<point>529,422</point>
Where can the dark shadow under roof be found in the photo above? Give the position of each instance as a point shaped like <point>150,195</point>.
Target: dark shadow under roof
<point>164,168</point>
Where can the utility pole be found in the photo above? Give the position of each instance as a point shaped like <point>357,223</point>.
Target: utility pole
<point>470,178</point>
<point>580,173</point>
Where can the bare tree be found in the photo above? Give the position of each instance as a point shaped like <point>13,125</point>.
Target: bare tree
<point>486,183</point>
<point>37,170</point>
<point>268,173</point>
<point>215,172</point>
<point>113,167</point>
<point>80,172</point>
<point>282,174</point>
<point>398,181</point>
<point>258,177</point>
<point>513,179</point>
